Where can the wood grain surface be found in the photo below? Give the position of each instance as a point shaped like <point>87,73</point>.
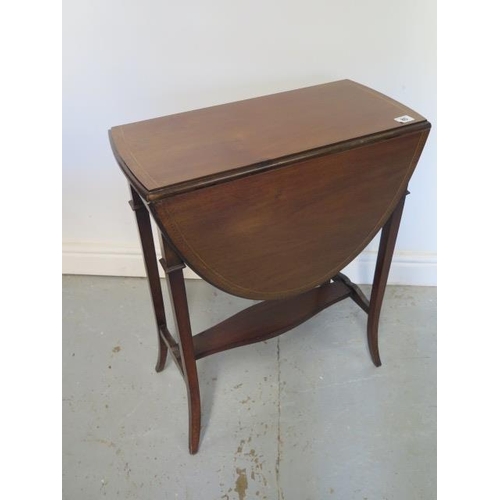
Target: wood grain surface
<point>282,232</point>
<point>267,319</point>
<point>173,153</point>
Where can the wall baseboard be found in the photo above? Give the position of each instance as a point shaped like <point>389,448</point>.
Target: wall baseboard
<point>408,268</point>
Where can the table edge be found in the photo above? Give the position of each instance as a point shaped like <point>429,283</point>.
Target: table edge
<point>209,180</point>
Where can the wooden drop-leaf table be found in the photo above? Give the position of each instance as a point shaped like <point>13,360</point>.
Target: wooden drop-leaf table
<point>269,199</point>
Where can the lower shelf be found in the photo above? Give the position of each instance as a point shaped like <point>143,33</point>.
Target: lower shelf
<point>268,319</point>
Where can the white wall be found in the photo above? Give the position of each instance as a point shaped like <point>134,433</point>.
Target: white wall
<point>126,61</point>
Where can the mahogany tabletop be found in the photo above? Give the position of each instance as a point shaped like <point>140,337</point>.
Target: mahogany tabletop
<point>175,153</point>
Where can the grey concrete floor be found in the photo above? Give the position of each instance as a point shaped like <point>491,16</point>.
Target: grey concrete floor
<point>304,416</point>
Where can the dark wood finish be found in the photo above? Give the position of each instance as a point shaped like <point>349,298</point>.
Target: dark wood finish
<point>267,319</point>
<point>149,255</point>
<point>177,289</point>
<point>357,295</point>
<point>280,233</point>
<point>268,199</point>
<point>172,153</point>
<point>384,258</point>
<point>173,347</point>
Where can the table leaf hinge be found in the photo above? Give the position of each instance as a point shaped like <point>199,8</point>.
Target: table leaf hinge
<point>135,206</point>
<point>173,268</point>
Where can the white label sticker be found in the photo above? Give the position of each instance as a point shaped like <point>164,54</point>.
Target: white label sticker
<point>404,119</point>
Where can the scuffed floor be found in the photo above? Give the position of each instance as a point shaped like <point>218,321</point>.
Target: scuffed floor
<point>305,416</point>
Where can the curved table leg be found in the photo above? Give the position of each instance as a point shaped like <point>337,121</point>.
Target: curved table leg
<point>177,289</point>
<point>162,355</point>
<point>149,254</point>
<point>384,258</point>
